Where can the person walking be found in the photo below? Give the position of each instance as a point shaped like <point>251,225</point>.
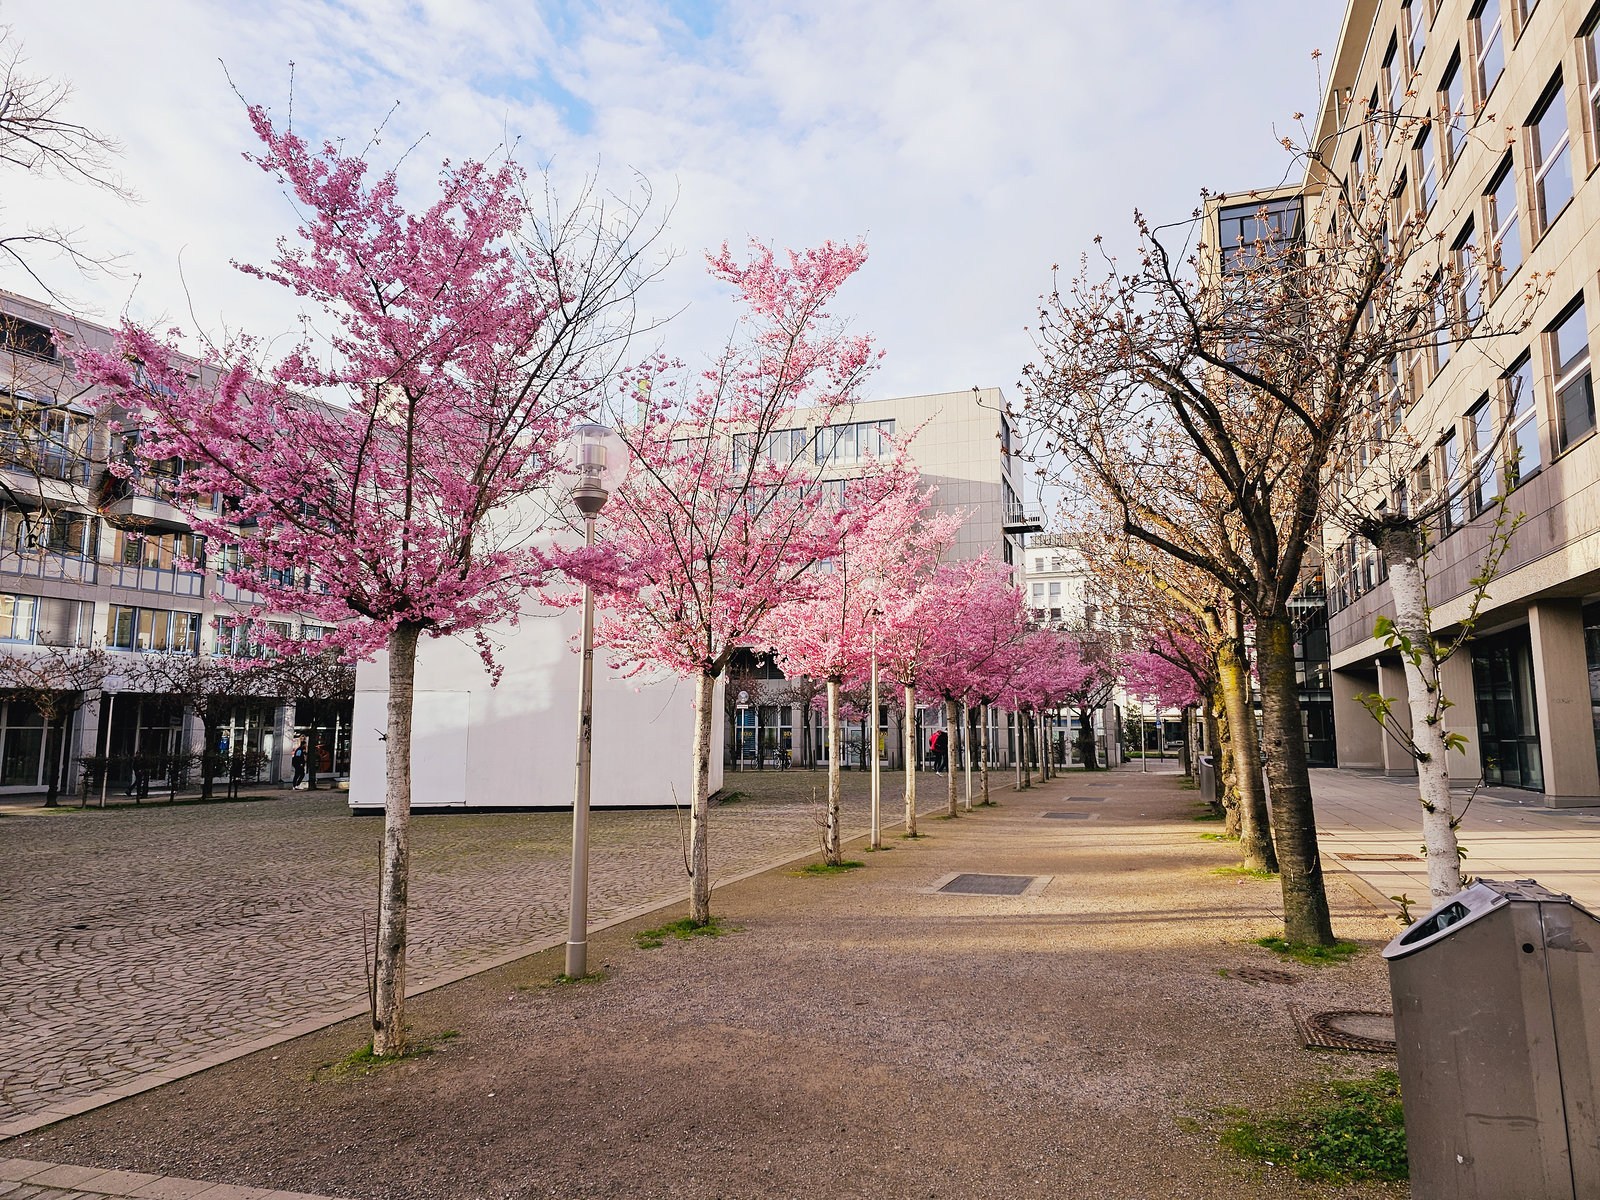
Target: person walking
<point>298,761</point>
<point>940,745</point>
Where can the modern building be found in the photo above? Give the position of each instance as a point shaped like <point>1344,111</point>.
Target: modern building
<point>1510,187</point>
<point>87,557</point>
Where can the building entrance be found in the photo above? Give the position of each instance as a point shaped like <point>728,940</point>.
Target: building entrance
<point>1508,717</point>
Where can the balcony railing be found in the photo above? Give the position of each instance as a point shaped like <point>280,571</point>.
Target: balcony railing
<point>46,564</point>
<point>1019,520</point>
<point>167,580</point>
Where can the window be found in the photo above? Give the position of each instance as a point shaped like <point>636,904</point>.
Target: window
<point>1464,258</point>
<point>1452,112</point>
<point>1427,169</point>
<point>842,445</point>
<point>17,618</point>
<point>1480,439</point>
<point>1038,595</point>
<point>140,629</point>
<point>1523,457</point>
<point>1416,365</point>
<point>1569,352</point>
<point>1248,230</point>
<point>164,550</point>
<point>1358,175</point>
<point>1394,80</point>
<point>1488,29</point>
<point>1449,466</point>
<point>782,448</point>
<point>1417,24</point>
<point>1591,59</point>
<point>1444,334</point>
<point>1402,206</point>
<point>26,337</point>
<point>1505,245</point>
<point>1552,162</point>
<point>1376,133</point>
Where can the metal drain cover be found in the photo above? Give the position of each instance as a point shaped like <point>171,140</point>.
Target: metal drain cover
<point>988,885</point>
<point>1084,799</point>
<point>1077,816</point>
<point>1345,1029</point>
<point>1380,858</point>
<point>1263,975</point>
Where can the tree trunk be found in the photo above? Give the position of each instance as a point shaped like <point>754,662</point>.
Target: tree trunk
<point>53,787</point>
<point>1305,899</point>
<point>966,750</point>
<point>1426,702</point>
<point>1255,830</point>
<point>1017,738</point>
<point>1185,759</point>
<point>1220,740</point>
<point>705,691</point>
<point>910,726</point>
<point>1087,754</point>
<point>950,753</point>
<point>208,759</point>
<point>830,837</point>
<point>983,750</point>
<point>389,967</point>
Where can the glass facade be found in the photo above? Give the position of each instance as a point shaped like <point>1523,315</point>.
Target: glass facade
<point>1508,717</point>
<point>1314,673</point>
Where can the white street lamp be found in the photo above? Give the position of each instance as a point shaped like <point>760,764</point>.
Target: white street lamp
<point>600,462</point>
<point>877,793</point>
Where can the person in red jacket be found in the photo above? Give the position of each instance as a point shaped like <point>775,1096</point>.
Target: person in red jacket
<point>939,748</point>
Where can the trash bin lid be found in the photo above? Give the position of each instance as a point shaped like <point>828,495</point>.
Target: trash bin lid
<point>1470,904</point>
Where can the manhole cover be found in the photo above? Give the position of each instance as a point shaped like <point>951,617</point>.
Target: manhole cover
<point>1067,816</point>
<point>1263,975</point>
<point>1345,1029</point>
<point>1380,858</point>
<point>988,885</point>
<point>1084,799</point>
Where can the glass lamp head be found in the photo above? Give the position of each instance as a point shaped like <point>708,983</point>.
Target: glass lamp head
<point>600,461</point>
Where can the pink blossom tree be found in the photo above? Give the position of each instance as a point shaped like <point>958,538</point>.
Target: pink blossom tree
<point>378,475</point>
<point>737,491</point>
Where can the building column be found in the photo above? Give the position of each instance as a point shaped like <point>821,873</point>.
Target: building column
<point>1357,739</point>
<point>1561,691</point>
<point>282,767</point>
<point>1397,759</point>
<point>1455,678</point>
<point>84,744</point>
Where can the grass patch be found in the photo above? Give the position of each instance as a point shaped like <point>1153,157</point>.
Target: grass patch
<point>1208,816</point>
<point>733,797</point>
<point>1188,785</point>
<point>565,980</point>
<point>828,868</point>
<point>1341,1131</point>
<point>683,930</point>
<point>1215,837</point>
<point>363,1062</point>
<point>947,816</point>
<point>1246,873</point>
<point>911,836</point>
<point>1311,955</point>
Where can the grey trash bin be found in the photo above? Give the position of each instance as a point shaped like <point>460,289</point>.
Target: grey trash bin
<point>1497,1026</point>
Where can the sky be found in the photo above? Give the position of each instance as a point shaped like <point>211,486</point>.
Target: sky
<point>972,146</point>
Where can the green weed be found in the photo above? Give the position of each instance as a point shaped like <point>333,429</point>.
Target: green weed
<point>364,1062</point>
<point>1246,872</point>
<point>828,868</point>
<point>683,930</point>
<point>1341,1131</point>
<point>1311,955</point>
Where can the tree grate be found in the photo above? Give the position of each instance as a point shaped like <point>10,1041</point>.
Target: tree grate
<point>1380,858</point>
<point>1072,816</point>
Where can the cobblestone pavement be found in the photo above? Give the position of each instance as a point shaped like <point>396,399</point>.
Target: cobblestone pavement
<point>24,1179</point>
<point>135,943</point>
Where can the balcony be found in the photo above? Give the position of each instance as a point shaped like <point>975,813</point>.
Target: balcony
<point>166,580</point>
<point>47,564</point>
<point>1019,520</point>
<point>137,511</point>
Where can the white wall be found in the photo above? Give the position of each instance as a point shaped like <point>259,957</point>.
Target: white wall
<point>515,745</point>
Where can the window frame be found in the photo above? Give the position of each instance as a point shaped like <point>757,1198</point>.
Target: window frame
<point>1522,409</point>
<point>1542,162</point>
<point>1480,45</point>
<point>1496,224</point>
<point>1561,381</point>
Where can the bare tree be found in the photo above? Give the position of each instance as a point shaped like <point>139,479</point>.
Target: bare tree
<point>320,685</point>
<point>56,681</point>
<point>209,686</point>
<point>39,137</point>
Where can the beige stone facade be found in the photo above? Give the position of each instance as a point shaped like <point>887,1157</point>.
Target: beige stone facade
<point>1511,185</point>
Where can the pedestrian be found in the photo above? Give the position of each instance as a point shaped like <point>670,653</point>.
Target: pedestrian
<point>298,761</point>
<point>940,745</point>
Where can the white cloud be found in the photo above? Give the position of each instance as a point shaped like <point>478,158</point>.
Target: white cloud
<point>973,145</point>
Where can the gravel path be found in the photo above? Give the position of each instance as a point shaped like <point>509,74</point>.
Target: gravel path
<point>859,1036</point>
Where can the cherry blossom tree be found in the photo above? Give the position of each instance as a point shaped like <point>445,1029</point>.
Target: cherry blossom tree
<point>56,681</point>
<point>379,475</point>
<point>738,490</point>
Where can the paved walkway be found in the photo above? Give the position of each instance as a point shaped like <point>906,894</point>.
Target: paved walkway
<point>24,1179</point>
<point>1508,835</point>
<point>138,945</point>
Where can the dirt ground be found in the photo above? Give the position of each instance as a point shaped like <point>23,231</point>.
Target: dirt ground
<point>859,1035</point>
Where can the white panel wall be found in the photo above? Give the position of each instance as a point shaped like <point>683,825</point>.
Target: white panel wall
<point>515,745</point>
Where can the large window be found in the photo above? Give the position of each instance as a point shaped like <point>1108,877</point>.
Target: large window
<point>1480,438</point>
<point>164,550</point>
<point>841,445</point>
<point>1505,245</point>
<point>1464,257</point>
<point>1394,79</point>
<point>1417,26</point>
<point>45,441</point>
<point>1250,231</point>
<point>1488,30</point>
<point>1427,169</point>
<point>129,628</point>
<point>26,337</point>
<point>1452,112</point>
<point>17,614</point>
<point>1552,157</point>
<point>781,447</point>
<point>1569,352</point>
<point>1523,446</point>
<point>1449,473</point>
<point>1443,321</point>
<point>1591,57</point>
<point>1376,130</point>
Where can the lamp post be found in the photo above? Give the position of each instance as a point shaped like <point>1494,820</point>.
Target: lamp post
<point>877,795</point>
<point>601,459</point>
